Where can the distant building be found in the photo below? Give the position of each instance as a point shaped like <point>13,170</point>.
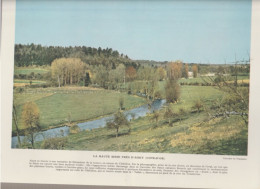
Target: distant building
<point>210,74</point>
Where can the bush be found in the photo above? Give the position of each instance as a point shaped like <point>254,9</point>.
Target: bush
<point>74,129</point>
<point>198,105</point>
<point>22,76</point>
<point>36,86</point>
<point>182,112</point>
<point>158,95</point>
<point>54,143</point>
<point>19,90</point>
<point>43,85</point>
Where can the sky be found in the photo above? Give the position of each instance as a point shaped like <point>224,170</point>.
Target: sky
<point>201,31</point>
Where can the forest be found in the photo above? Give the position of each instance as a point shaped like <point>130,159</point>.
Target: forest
<point>203,107</point>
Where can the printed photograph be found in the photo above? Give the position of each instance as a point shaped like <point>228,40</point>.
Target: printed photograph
<point>132,76</point>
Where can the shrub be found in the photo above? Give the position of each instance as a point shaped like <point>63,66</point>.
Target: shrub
<point>158,95</point>
<point>74,129</point>
<point>169,114</point>
<point>54,143</point>
<point>19,90</point>
<point>182,112</point>
<point>198,105</point>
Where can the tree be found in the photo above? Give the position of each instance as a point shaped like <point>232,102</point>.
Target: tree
<point>236,99</point>
<point>68,70</point>
<point>182,112</point>
<point>195,70</point>
<point>112,78</point>
<point>101,76</point>
<point>119,120</point>
<point>57,143</point>
<point>87,79</point>
<point>16,124</point>
<point>130,73</point>
<point>69,118</point>
<point>31,119</point>
<point>174,70</point>
<point>185,71</point>
<point>161,73</point>
<point>172,91</point>
<point>116,76</point>
<point>156,117</point>
<point>152,88</point>
<point>198,105</point>
<point>121,103</point>
<point>169,114</point>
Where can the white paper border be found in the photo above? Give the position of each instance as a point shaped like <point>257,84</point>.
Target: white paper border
<point>242,174</point>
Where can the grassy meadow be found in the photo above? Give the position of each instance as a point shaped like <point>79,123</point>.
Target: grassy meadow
<point>80,103</point>
<point>25,82</point>
<point>29,70</point>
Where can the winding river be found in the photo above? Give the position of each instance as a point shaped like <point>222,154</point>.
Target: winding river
<point>98,123</point>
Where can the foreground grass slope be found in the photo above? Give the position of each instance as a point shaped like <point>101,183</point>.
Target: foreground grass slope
<point>217,136</point>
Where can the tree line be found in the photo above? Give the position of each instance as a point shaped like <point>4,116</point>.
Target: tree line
<point>32,54</point>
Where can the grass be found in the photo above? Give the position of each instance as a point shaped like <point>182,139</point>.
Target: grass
<point>24,82</point>
<point>28,81</point>
<point>220,137</point>
<point>214,136</point>
<point>190,94</point>
<point>22,98</point>
<point>56,105</point>
<point>203,79</point>
<point>193,80</point>
<point>28,70</point>
<point>193,133</point>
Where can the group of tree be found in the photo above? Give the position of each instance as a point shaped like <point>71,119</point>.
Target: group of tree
<point>104,68</point>
<point>38,55</point>
<point>68,70</point>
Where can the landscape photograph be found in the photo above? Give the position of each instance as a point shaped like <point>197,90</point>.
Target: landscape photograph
<point>132,76</point>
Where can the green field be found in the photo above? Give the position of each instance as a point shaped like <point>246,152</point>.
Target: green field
<point>195,80</point>
<point>25,70</point>
<point>56,105</point>
<point>28,81</point>
<point>207,79</point>
<point>191,94</point>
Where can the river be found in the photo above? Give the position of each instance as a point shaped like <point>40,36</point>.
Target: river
<point>98,123</point>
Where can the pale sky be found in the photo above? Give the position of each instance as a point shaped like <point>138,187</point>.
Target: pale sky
<point>206,31</point>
